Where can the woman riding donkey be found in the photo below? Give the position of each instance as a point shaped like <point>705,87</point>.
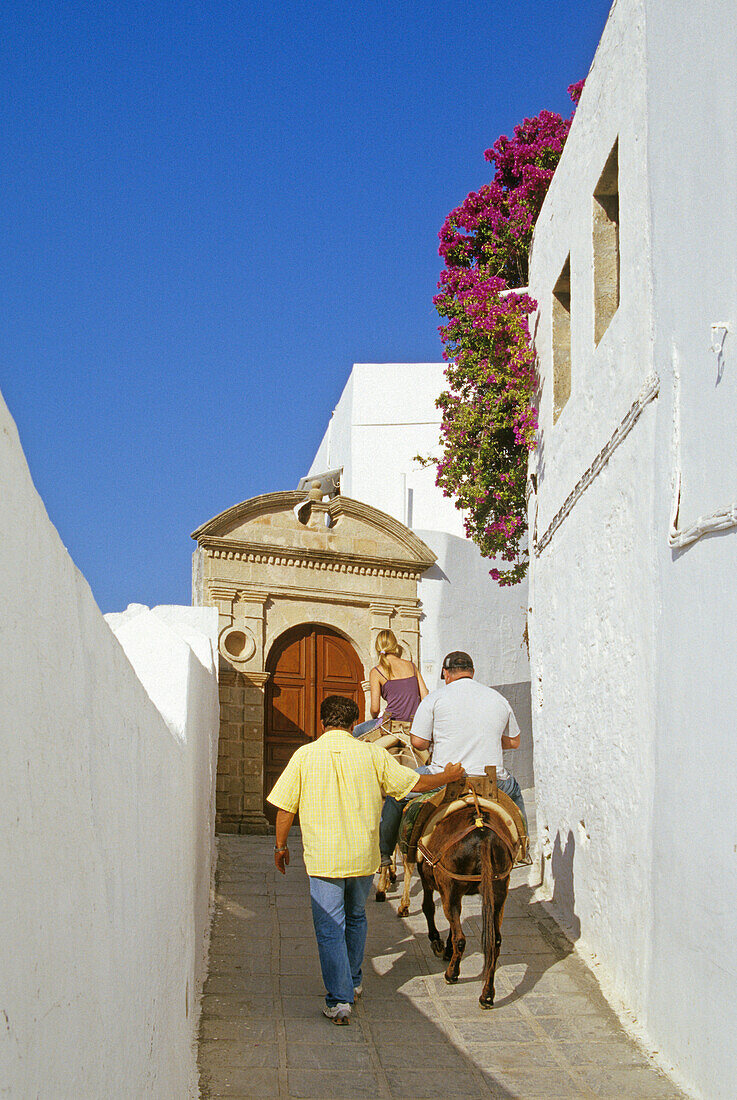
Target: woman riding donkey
<point>395,680</point>
<point>399,683</point>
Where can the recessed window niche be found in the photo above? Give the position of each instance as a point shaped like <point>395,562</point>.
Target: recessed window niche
<point>606,245</point>
<point>562,339</point>
<point>237,645</point>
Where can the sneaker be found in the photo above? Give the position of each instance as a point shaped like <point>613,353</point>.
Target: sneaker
<point>339,1014</point>
<point>357,990</point>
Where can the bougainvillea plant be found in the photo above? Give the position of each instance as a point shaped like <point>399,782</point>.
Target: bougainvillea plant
<point>489,418</point>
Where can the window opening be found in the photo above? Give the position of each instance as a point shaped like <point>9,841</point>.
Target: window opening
<point>606,245</point>
<point>562,339</point>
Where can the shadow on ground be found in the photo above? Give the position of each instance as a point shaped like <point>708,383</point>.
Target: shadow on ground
<point>549,1035</point>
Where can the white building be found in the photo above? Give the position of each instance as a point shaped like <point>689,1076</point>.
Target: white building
<point>385,418</point>
<point>635,546</point>
<point>108,741</point>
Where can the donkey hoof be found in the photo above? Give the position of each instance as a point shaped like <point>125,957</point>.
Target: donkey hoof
<point>380,896</point>
<point>487,1002</point>
<point>451,979</point>
<point>437,948</point>
<point>403,911</point>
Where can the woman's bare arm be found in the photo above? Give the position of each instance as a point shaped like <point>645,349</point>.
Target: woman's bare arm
<point>375,684</point>
<point>421,684</point>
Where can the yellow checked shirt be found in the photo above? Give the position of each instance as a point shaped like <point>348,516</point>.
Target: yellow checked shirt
<point>336,784</point>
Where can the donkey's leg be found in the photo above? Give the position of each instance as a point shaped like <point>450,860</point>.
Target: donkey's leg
<point>382,883</point>
<point>403,910</point>
<point>452,896</point>
<point>492,937</point>
<point>428,908</point>
<point>393,868</point>
<point>501,889</point>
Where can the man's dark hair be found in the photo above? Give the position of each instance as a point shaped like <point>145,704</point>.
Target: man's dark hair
<point>337,712</point>
<point>458,661</point>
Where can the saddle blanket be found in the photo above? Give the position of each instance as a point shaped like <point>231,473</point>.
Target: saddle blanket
<point>409,817</point>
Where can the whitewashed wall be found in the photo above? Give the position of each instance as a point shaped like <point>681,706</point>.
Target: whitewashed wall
<point>692,119</point>
<point>592,588</point>
<point>386,416</point>
<point>631,643</point>
<point>106,815</point>
<point>173,651</point>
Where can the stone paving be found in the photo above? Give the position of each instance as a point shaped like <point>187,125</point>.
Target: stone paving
<point>550,1035</point>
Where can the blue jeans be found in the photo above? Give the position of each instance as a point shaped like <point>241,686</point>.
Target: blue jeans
<point>391,819</point>
<point>511,787</point>
<point>365,727</point>
<point>339,917</point>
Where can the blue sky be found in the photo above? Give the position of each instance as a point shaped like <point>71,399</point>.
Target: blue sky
<point>208,212</point>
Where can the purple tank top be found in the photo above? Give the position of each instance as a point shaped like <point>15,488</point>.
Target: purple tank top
<point>402,697</point>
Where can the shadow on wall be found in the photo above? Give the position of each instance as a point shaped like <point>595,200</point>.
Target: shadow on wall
<point>564,895</point>
<point>520,762</point>
<point>434,573</point>
<point>465,609</point>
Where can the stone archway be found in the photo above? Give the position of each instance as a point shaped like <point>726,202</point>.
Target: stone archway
<point>277,562</point>
<point>306,664</point>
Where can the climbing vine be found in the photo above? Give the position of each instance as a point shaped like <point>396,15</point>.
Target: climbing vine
<point>489,416</point>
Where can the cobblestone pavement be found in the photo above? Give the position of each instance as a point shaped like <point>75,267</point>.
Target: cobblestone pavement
<point>550,1034</point>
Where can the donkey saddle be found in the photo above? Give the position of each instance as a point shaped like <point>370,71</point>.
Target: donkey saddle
<point>492,808</point>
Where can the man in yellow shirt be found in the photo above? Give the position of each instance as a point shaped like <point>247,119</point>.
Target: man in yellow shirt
<point>336,785</point>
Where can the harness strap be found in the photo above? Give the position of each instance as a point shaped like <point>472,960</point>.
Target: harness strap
<point>435,859</point>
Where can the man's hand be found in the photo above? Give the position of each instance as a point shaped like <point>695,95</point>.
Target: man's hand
<point>431,782</point>
<point>281,852</point>
<point>451,772</point>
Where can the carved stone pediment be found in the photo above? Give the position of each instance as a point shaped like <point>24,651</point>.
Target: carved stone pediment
<point>341,532</point>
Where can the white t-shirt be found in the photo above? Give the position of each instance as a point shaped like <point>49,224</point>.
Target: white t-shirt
<point>465,721</point>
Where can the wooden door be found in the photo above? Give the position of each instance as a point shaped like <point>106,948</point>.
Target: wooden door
<point>306,664</point>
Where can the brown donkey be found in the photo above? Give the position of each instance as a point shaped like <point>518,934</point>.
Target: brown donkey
<point>468,854</point>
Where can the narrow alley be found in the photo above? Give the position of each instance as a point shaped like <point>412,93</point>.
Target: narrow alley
<point>550,1035</point>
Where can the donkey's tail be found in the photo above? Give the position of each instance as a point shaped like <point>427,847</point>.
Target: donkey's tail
<point>487,893</point>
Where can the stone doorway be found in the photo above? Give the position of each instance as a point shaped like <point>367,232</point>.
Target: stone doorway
<point>280,564</point>
<point>305,664</point>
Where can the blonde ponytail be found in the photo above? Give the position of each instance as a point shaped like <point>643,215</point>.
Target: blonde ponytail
<point>387,645</point>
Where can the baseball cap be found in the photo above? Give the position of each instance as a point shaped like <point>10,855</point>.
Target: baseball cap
<point>457,659</point>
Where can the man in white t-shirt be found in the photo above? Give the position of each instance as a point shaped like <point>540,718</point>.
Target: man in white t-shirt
<point>463,721</point>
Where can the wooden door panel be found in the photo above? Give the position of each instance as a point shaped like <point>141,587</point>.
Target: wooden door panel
<point>292,659</point>
<point>311,664</point>
<point>288,709</point>
<point>337,666</point>
<point>339,672</point>
<point>280,752</point>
